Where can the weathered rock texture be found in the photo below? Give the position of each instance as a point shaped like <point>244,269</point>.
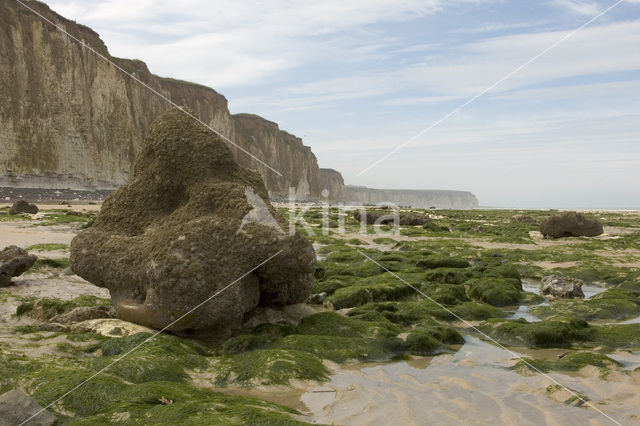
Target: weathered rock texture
<point>14,261</point>
<point>16,407</point>
<point>22,206</point>
<point>69,119</point>
<point>561,287</point>
<point>418,198</point>
<point>184,228</point>
<point>570,224</point>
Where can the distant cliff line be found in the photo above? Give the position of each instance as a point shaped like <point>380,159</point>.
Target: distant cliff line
<point>419,198</point>
<point>69,119</point>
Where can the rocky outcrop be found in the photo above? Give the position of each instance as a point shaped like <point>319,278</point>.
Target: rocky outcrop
<point>69,119</point>
<point>558,286</point>
<point>14,261</point>
<point>332,181</point>
<point>570,224</point>
<point>189,223</point>
<point>412,198</point>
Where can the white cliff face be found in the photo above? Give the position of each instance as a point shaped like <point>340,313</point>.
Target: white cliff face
<point>69,119</point>
<point>281,150</point>
<point>332,181</point>
<point>441,199</point>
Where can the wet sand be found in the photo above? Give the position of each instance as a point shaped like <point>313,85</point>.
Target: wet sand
<point>472,386</point>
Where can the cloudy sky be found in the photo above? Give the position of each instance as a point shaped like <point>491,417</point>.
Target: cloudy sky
<point>358,78</point>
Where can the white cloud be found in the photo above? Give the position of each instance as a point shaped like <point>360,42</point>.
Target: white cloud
<point>578,7</point>
<point>228,42</point>
<point>469,69</point>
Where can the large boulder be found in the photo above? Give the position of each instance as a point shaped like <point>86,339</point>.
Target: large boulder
<point>22,206</point>
<point>16,407</point>
<point>14,261</point>
<point>192,225</point>
<point>570,224</point>
<point>558,286</point>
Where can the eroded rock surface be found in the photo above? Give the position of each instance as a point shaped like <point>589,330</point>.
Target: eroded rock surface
<point>570,224</point>
<point>16,407</point>
<point>183,230</point>
<point>14,261</point>
<point>562,287</point>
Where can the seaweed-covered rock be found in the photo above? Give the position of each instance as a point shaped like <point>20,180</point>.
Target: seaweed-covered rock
<point>188,224</point>
<point>561,287</point>
<point>389,217</point>
<point>22,206</point>
<point>570,224</point>
<point>495,291</point>
<point>14,261</point>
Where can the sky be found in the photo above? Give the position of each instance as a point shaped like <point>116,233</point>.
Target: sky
<point>361,79</point>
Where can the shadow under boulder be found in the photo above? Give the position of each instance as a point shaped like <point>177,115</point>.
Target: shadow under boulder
<point>192,226</point>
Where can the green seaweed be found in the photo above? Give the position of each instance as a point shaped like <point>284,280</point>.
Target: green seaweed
<point>573,361</point>
<point>272,366</point>
<point>552,333</point>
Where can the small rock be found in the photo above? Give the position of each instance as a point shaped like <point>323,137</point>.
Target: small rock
<point>273,314</point>
<point>14,261</point>
<point>317,299</point>
<point>16,407</point>
<point>116,331</point>
<point>105,326</point>
<point>558,286</point>
<point>165,401</point>
<point>22,206</point>
<point>84,313</point>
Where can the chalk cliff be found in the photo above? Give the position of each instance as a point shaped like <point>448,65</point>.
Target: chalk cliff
<point>69,119</point>
<point>332,181</point>
<point>419,198</point>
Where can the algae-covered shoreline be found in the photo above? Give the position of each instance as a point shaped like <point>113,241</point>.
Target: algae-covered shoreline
<point>376,344</point>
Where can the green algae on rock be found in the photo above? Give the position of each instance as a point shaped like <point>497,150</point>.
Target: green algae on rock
<point>177,233</point>
<point>552,333</point>
<point>612,304</point>
<point>572,361</point>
